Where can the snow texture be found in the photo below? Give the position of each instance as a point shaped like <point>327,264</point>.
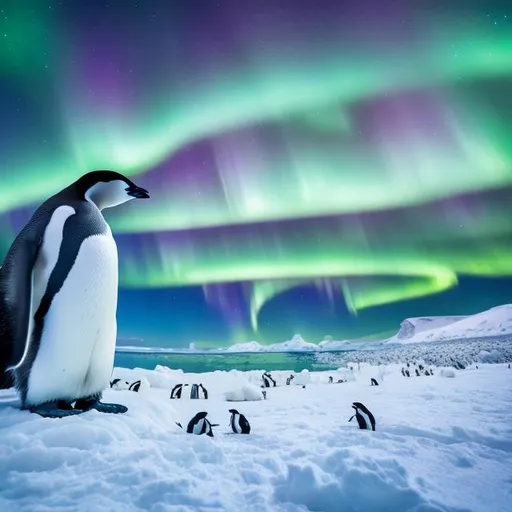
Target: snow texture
<point>440,445</point>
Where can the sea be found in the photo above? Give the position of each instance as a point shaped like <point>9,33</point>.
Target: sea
<point>202,363</point>
<point>491,349</point>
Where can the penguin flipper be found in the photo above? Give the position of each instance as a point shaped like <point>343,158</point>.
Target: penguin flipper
<point>86,405</point>
<point>16,288</point>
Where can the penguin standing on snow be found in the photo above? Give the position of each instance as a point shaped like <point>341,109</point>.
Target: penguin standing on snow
<point>364,417</point>
<point>239,423</point>
<point>203,391</point>
<point>268,381</point>
<point>58,299</point>
<point>199,425</point>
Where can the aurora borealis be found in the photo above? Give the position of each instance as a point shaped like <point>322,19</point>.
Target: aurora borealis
<point>313,168</point>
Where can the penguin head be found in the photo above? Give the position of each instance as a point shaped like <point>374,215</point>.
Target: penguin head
<point>107,189</point>
<point>233,411</point>
<point>357,405</point>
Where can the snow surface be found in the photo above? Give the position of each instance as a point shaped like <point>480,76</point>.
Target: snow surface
<point>440,445</point>
<point>493,322</point>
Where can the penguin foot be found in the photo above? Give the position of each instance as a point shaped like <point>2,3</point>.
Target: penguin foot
<point>57,409</point>
<point>87,405</point>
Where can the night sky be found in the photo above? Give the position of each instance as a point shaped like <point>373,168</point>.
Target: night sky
<point>314,168</point>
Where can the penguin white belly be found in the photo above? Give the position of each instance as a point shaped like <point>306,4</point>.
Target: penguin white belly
<point>235,424</point>
<point>77,346</point>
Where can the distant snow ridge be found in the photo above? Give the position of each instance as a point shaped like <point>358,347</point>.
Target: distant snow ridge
<point>493,322</point>
<point>412,326</point>
<point>296,344</point>
<point>251,346</point>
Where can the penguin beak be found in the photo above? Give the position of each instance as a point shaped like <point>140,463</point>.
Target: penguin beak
<point>138,192</point>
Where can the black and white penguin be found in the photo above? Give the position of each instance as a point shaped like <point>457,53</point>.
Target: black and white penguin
<point>177,390</point>
<point>119,384</point>
<point>417,372</point>
<point>239,423</point>
<point>330,379</point>
<point>403,372</point>
<point>268,381</point>
<point>199,425</point>
<point>135,386</point>
<point>203,392</point>
<point>364,417</point>
<point>194,392</point>
<point>373,382</point>
<point>58,299</point>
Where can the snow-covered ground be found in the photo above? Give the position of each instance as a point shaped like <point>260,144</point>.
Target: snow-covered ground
<point>441,444</point>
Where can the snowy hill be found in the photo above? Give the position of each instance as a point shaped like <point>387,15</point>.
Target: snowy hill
<point>412,326</point>
<point>334,345</point>
<point>251,346</point>
<point>493,322</point>
<point>294,345</point>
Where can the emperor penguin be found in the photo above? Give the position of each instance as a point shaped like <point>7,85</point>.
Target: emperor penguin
<point>364,417</point>
<point>239,423</point>
<point>58,299</point>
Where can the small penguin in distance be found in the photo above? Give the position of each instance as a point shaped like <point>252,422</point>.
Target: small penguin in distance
<point>364,417</point>
<point>119,384</point>
<point>58,299</point>
<point>239,423</point>
<point>135,386</point>
<point>199,425</point>
<point>374,382</point>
